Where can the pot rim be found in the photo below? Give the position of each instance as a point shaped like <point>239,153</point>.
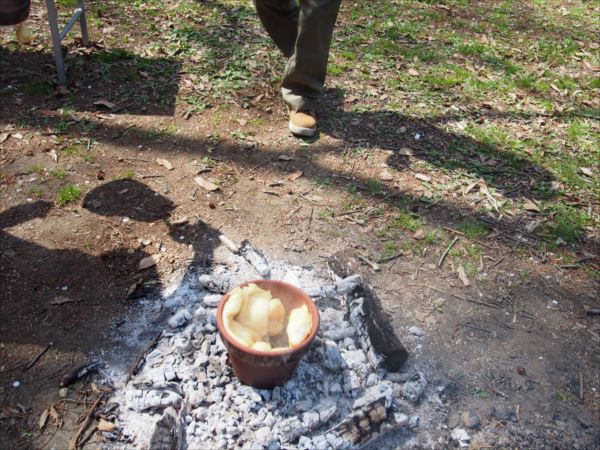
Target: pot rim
<point>243,348</point>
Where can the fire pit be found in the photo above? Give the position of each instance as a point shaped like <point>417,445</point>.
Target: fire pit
<point>190,393</point>
<point>267,369</point>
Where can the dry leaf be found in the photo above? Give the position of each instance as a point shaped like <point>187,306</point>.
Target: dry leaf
<point>61,300</point>
<point>105,103</point>
<point>4,137</point>
<point>463,276</point>
<point>405,151</point>
<point>205,184</point>
<point>419,234</point>
<point>148,261</point>
<point>586,171</point>
<point>286,157</point>
<point>54,155</point>
<point>165,163</point>
<point>105,425</point>
<point>55,416</point>
<point>413,72</point>
<point>295,175</point>
<point>530,205</point>
<point>44,418</point>
<point>422,177</point>
<point>17,136</point>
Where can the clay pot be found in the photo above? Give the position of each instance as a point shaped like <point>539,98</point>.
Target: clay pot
<point>13,12</point>
<point>267,369</point>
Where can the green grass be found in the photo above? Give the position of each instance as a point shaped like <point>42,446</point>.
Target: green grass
<point>407,221</point>
<point>68,194</point>
<point>373,186</point>
<point>127,175</point>
<point>59,174</point>
<point>472,229</point>
<point>35,168</point>
<point>37,88</point>
<point>566,222</point>
<point>325,214</point>
<point>390,248</point>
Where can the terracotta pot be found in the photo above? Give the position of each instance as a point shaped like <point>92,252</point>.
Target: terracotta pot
<point>266,369</point>
<point>13,12</point>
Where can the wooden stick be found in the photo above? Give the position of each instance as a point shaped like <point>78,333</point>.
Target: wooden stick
<point>441,260</point>
<point>73,443</point>
<point>477,302</point>
<point>136,365</point>
<point>580,385</point>
<point>38,356</point>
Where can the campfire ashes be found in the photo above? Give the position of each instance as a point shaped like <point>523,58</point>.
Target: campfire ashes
<point>185,394</point>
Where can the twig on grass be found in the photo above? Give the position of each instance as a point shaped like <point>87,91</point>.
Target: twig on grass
<point>37,357</point>
<point>73,443</point>
<point>441,260</point>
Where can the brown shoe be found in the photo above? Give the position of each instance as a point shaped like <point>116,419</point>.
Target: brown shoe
<point>303,123</point>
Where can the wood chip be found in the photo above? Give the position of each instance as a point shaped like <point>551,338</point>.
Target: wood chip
<point>106,103</point>
<point>295,175</point>
<point>405,151</point>
<point>165,163</point>
<point>44,418</point>
<point>463,276</point>
<point>54,155</point>
<point>4,137</point>
<point>422,177</point>
<point>62,299</point>
<point>286,157</point>
<point>148,261</point>
<point>205,184</point>
<point>105,425</point>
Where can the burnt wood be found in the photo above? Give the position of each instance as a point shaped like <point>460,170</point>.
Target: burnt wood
<point>381,334</point>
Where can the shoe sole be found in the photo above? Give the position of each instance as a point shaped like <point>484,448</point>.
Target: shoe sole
<point>301,131</point>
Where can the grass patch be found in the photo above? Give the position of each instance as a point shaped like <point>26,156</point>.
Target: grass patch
<point>59,174</point>
<point>325,214</point>
<point>68,194</point>
<point>472,230</point>
<point>407,221</point>
<point>35,168</point>
<point>567,222</point>
<point>373,186</point>
<point>127,175</point>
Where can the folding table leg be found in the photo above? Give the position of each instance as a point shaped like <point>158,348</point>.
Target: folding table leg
<point>83,24</point>
<point>58,55</point>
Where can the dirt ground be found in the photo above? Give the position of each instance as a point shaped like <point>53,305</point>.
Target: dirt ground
<point>85,195</point>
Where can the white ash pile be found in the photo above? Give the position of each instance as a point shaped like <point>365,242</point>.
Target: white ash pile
<point>185,394</point>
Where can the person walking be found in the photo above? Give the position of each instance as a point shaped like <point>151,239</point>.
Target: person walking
<point>302,30</point>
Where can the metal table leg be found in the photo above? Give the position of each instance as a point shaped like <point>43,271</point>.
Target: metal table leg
<point>58,36</point>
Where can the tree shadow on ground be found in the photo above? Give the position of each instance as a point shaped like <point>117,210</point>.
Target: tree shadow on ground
<point>134,84</point>
<point>72,298</point>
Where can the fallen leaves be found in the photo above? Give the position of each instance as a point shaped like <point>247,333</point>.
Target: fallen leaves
<point>148,262</point>
<point>62,299</point>
<point>405,151</point>
<point>165,163</point>
<point>385,175</point>
<point>422,177</point>
<point>105,425</point>
<point>530,205</point>
<point>586,171</point>
<point>463,276</point>
<point>54,155</point>
<point>205,184</point>
<point>295,175</point>
<point>105,103</point>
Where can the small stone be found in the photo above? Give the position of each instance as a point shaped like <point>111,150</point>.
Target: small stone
<point>460,436</point>
<point>62,393</point>
<point>414,422</point>
<point>262,436</point>
<point>401,419</point>
<point>179,319</point>
<point>415,331</point>
<point>16,384</point>
<point>502,413</point>
<point>211,300</point>
<point>471,420</point>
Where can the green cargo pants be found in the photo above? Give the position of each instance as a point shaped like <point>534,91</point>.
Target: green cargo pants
<point>303,33</point>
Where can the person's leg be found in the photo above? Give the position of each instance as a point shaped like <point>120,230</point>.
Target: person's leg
<point>280,19</point>
<point>306,68</point>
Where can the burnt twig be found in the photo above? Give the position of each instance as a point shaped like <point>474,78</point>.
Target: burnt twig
<point>37,357</point>
<point>78,372</point>
<point>73,443</point>
<point>136,365</point>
